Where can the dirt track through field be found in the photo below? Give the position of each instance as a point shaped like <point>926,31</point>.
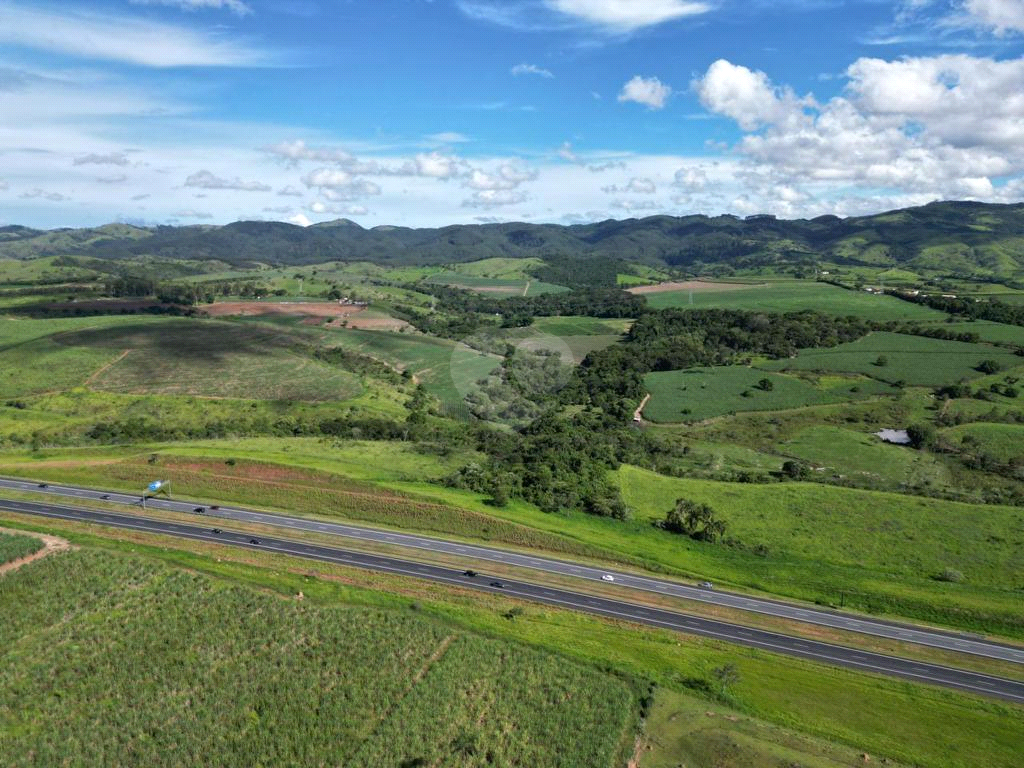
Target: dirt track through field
<point>51,544</point>
<point>295,308</point>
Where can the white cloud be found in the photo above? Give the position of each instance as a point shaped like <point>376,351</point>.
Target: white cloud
<point>344,210</point>
<point>531,69</point>
<point>300,219</point>
<point>447,137</point>
<point>627,15</point>
<point>111,158</point>
<point>117,38</point>
<point>638,205</point>
<point>236,6</point>
<point>565,152</point>
<point>494,198</point>
<point>53,197</point>
<point>437,166</point>
<point>327,178</point>
<point>1002,16</point>
<point>904,132</point>
<point>648,91</point>
<point>691,179</point>
<point>292,152</point>
<point>744,95</point>
<point>506,177</point>
<point>207,180</point>
<point>635,186</point>
<point>290,191</point>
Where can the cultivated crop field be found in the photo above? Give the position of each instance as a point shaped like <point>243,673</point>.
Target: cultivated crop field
<point>702,393</point>
<point>497,287</point>
<point>110,660</point>
<point>15,547</point>
<point>891,357</point>
<point>790,296</point>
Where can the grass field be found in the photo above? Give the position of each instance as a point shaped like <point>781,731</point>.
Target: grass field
<point>14,547</point>
<point>1003,441</point>
<point>498,287</point>
<point>446,369</point>
<point>789,296</point>
<point>994,333</point>
<point>915,360</point>
<point>117,661</point>
<point>702,393</point>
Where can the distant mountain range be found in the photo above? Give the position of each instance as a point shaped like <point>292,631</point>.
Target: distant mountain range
<point>961,238</point>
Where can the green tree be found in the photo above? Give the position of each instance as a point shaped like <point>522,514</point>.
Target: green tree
<point>765,385</point>
<point>921,435</point>
<point>697,521</point>
<point>796,470</point>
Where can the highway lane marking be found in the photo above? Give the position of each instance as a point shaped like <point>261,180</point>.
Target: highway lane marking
<point>894,666</point>
<point>861,626</point>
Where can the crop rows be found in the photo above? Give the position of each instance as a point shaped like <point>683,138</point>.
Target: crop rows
<point>14,547</point>
<point>109,661</point>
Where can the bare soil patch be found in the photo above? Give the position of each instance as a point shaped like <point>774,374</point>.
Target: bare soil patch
<point>365,323</point>
<point>327,309</point>
<point>51,544</point>
<point>702,286</point>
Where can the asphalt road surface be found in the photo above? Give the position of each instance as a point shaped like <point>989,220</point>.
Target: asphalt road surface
<point>949,641</point>
<point>811,650</point>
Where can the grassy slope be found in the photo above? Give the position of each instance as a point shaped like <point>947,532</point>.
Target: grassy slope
<point>916,360</point>
<point>702,393</point>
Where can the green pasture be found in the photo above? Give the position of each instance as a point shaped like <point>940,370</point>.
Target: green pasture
<point>497,287</point>
<point>499,268</point>
<point>791,296</point>
<point>861,456</point>
<point>1005,442</point>
<point>447,370</point>
<point>903,536</point>
<point>994,333</point>
<point>142,657</point>
<point>702,393</point>
<point>915,360</point>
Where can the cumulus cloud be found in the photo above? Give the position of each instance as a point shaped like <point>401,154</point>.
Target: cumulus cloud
<point>648,91</point>
<point>119,38</point>
<point>111,158</point>
<point>744,95</point>
<point>435,165</point>
<point>691,179</point>
<point>495,198</point>
<point>917,128</point>
<point>290,191</point>
<point>293,152</point>
<point>565,152</point>
<point>627,15</point>
<point>207,180</point>
<point>635,186</point>
<point>336,185</point>
<point>531,69</point>
<point>344,210</point>
<point>506,177</point>
<point>236,6</point>
<point>300,219</point>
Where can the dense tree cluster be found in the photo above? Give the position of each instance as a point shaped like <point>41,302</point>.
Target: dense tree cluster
<point>992,310</point>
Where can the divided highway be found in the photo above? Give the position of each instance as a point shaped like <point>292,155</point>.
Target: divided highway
<point>826,653</point>
<point>949,641</point>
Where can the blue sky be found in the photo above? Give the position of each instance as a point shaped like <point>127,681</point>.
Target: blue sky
<point>434,112</point>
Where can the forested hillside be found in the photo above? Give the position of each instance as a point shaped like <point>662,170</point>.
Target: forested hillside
<point>958,238</point>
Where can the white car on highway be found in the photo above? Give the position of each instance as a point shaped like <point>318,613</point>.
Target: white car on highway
<point>607,577</point>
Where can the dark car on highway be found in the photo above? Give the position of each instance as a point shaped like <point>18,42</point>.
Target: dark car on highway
<point>217,530</point>
<point>497,584</point>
